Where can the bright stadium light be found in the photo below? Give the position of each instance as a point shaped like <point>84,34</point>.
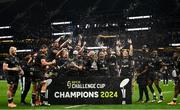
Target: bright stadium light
<point>96,48</point>
<point>160,48</point>
<point>5,27</point>
<point>140,17</point>
<point>114,24</point>
<point>7,41</point>
<point>61,23</point>
<point>6,37</point>
<point>87,26</point>
<point>138,29</point>
<point>63,33</point>
<point>95,25</point>
<point>107,25</point>
<point>175,44</point>
<point>24,50</point>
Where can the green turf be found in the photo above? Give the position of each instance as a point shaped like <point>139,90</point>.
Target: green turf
<point>167,91</point>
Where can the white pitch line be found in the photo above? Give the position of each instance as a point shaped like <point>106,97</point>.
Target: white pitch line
<point>167,92</point>
<point>75,106</point>
<point>3,81</point>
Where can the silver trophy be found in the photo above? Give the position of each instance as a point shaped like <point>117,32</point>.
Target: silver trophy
<point>123,90</point>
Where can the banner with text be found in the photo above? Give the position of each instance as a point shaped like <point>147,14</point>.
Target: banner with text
<point>90,90</point>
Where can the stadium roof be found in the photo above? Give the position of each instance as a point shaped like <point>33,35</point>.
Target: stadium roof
<point>12,11</point>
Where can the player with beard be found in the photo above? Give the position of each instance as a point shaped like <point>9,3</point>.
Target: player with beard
<point>53,53</point>
<point>154,75</point>
<point>102,64</point>
<point>41,65</point>
<point>142,76</point>
<point>11,67</point>
<point>125,62</point>
<point>63,61</point>
<point>76,65</point>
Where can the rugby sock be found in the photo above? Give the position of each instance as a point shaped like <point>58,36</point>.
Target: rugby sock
<point>161,96</point>
<point>10,100</point>
<point>154,94</point>
<point>174,100</point>
<point>33,98</point>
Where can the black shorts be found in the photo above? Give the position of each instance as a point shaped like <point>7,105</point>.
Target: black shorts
<point>142,80</point>
<point>154,76</point>
<point>12,79</point>
<point>126,74</point>
<point>37,76</point>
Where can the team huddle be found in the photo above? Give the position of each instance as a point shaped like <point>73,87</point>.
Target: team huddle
<point>62,59</point>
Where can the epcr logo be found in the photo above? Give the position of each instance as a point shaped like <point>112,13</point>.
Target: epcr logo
<point>69,84</point>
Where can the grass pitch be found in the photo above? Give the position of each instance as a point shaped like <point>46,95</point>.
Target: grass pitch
<point>168,92</point>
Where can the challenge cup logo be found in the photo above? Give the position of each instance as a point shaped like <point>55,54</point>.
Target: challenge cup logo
<point>69,84</point>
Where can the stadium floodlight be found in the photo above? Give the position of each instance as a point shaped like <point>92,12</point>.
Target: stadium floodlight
<point>6,37</point>
<point>95,25</point>
<point>107,25</point>
<point>87,26</point>
<point>24,50</point>
<point>7,41</point>
<point>138,29</point>
<point>63,33</point>
<point>96,48</point>
<point>5,27</point>
<point>140,17</point>
<point>114,24</point>
<point>175,44</point>
<point>161,48</point>
<point>61,23</point>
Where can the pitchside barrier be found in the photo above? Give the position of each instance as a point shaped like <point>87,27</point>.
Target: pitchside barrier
<point>89,90</point>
